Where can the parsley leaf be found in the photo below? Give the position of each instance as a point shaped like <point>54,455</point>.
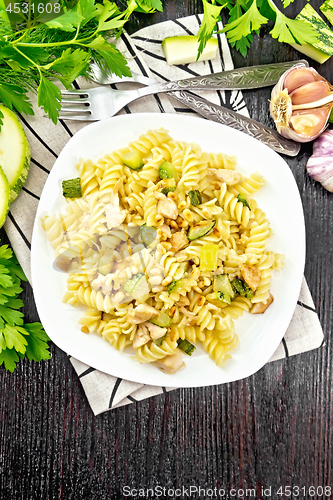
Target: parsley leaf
<point>291,30</point>
<point>250,21</point>
<point>49,97</point>
<point>111,56</point>
<point>14,96</point>
<point>17,339</point>
<point>246,17</point>
<point>9,358</point>
<point>37,348</point>
<point>210,18</point>
<point>70,65</point>
<point>14,338</point>
<point>60,49</point>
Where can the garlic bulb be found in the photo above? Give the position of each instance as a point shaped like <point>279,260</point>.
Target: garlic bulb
<point>301,103</point>
<point>320,164</point>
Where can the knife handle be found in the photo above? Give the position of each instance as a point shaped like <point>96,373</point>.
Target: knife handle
<point>239,122</point>
<point>250,77</point>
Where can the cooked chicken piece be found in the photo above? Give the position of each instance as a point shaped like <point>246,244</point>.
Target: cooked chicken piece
<point>251,276</point>
<point>168,208</point>
<point>156,332</point>
<point>114,215</point>
<point>141,337</point>
<point>164,232</point>
<point>230,177</point>
<point>178,241</point>
<point>261,307</point>
<point>118,184</point>
<point>171,364</point>
<point>142,313</point>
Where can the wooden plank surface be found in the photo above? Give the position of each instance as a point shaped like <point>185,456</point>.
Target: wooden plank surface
<point>272,429</point>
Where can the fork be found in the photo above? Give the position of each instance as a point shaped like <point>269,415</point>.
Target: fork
<point>101,103</point>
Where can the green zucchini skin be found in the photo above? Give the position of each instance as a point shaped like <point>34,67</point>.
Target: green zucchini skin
<point>132,160</point>
<point>13,141</point>
<point>200,230</point>
<point>4,197</point>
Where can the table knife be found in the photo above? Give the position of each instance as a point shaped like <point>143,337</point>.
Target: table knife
<point>226,116</point>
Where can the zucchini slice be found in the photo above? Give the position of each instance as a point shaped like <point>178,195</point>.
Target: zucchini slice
<point>195,197</point>
<point>138,287</point>
<point>242,288</point>
<point>132,160</point>
<point>149,235</point>
<point>219,299</point>
<point>4,197</point>
<point>200,229</point>
<point>162,319</point>
<point>167,171</point>
<point>186,346</point>
<point>71,188</point>
<point>15,152</point>
<point>222,284</point>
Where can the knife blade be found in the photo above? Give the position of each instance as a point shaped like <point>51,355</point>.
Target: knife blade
<point>223,115</point>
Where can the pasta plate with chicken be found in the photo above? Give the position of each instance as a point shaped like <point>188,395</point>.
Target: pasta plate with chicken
<point>165,246</point>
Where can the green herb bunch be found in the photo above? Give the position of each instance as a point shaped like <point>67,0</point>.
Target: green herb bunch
<point>35,54</point>
<point>17,340</point>
<point>246,17</point>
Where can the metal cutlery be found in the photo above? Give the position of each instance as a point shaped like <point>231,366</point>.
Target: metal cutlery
<point>94,104</point>
<point>100,103</point>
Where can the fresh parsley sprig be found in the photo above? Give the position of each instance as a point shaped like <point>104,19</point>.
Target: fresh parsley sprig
<point>17,339</point>
<point>246,17</point>
<point>37,54</point>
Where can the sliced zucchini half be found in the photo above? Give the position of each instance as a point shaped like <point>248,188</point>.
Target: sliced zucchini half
<point>4,197</point>
<point>15,152</point>
<point>184,49</point>
<point>200,229</point>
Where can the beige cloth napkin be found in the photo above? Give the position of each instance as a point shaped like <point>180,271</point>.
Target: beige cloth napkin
<point>144,53</point>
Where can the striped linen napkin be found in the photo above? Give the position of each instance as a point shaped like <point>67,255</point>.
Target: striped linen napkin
<point>144,53</point>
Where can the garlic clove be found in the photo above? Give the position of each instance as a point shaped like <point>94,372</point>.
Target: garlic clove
<point>310,92</point>
<point>298,76</point>
<point>309,122</point>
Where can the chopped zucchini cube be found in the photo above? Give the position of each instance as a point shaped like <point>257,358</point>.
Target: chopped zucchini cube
<point>132,160</point>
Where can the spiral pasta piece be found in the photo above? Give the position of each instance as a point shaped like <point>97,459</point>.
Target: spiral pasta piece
<point>151,352</point>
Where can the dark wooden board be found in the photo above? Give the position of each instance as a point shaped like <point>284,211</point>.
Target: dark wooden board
<point>272,429</point>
